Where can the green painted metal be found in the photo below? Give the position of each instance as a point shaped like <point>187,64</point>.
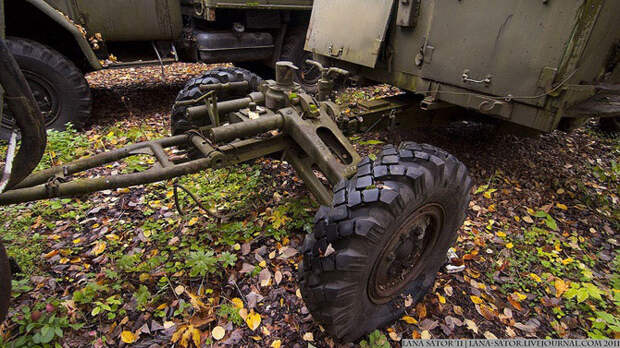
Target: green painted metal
<point>298,126</point>
<point>131,20</point>
<point>64,22</point>
<point>259,4</point>
<point>518,60</point>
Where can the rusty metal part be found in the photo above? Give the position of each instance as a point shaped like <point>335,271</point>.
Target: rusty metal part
<point>27,117</point>
<point>399,261</point>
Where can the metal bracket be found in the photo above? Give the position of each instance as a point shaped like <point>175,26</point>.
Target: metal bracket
<point>466,79</point>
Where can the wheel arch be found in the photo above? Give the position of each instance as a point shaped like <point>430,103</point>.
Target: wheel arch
<point>53,29</point>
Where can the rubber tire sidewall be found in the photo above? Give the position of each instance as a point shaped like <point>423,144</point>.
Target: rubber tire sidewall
<point>69,85</point>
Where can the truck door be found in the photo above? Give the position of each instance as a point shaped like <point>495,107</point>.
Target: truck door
<point>499,47</point>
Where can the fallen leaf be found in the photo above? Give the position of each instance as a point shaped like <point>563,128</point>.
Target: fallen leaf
<point>476,299</point>
<point>426,335</point>
<point>276,344</point>
<point>179,290</point>
<point>253,320</point>
<point>237,302</point>
<point>409,320</point>
<point>218,333</point>
<point>308,337</point>
<point>560,287</point>
<point>128,337</point>
<point>489,336</point>
<point>471,325</point>
<point>394,336</point>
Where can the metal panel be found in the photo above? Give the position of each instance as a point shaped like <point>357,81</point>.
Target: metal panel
<point>262,4</point>
<point>132,20</point>
<point>349,30</point>
<point>499,47</point>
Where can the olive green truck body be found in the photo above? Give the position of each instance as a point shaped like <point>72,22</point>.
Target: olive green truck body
<point>529,62</point>
<point>68,26</point>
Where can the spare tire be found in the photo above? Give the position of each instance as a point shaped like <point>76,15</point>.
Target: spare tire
<point>383,239</point>
<point>180,124</point>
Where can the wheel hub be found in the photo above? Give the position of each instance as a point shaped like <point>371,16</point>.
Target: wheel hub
<point>44,95</point>
<point>402,258</point>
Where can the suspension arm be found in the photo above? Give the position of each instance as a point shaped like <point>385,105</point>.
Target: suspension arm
<point>48,183</point>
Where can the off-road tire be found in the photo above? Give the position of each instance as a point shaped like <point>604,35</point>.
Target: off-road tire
<point>293,51</point>
<point>54,78</point>
<point>349,237</point>
<point>179,122</point>
<point>5,283</point>
<point>609,124</point>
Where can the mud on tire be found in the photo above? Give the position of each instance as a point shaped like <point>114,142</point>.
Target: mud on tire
<point>179,123</point>
<point>384,237</point>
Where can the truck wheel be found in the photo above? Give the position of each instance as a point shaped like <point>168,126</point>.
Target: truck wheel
<point>179,123</point>
<point>609,124</point>
<point>57,85</point>
<point>5,283</point>
<point>293,51</point>
<point>384,238</point>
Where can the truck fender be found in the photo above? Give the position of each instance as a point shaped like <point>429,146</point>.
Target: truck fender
<point>80,39</point>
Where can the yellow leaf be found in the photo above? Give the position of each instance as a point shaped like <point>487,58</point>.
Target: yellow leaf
<point>177,335</point>
<point>298,293</point>
<point>561,206</point>
<point>253,320</point>
<point>276,344</point>
<point>476,299</point>
<point>77,241</point>
<point>218,333</point>
<point>519,296</point>
<point>179,290</point>
<point>192,221</point>
<point>567,260</point>
<point>528,219</point>
<point>535,277</point>
<point>186,336</point>
<point>196,337</point>
<point>426,335</point>
<point>112,236</point>
<point>409,320</point>
<point>128,337</point>
<point>263,264</point>
<point>560,287</point>
<point>195,301</point>
<point>509,245</point>
<point>123,190</point>
<point>237,247</point>
<point>99,248</point>
<point>169,194</point>
<point>517,219</point>
<point>501,234</point>
<point>111,134</point>
<point>308,337</point>
<point>237,302</point>
<point>441,299</point>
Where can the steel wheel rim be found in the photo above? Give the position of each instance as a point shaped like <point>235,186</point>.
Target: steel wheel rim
<point>44,94</point>
<point>400,261</point>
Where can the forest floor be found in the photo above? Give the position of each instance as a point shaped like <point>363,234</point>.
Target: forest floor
<point>123,268</point>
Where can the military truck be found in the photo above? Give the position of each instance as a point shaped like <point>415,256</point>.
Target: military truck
<point>57,41</point>
<point>385,224</point>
